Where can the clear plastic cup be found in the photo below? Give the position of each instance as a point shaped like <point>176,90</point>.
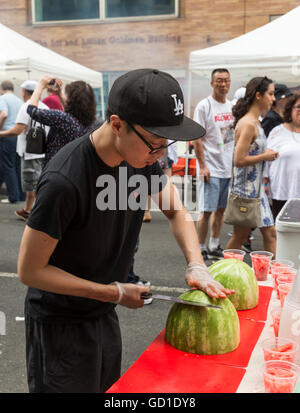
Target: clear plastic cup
<point>280,272</point>
<point>261,263</point>
<point>237,254</point>
<point>276,314</point>
<point>287,278</point>
<point>280,348</point>
<point>280,376</point>
<point>284,289</point>
<point>281,262</point>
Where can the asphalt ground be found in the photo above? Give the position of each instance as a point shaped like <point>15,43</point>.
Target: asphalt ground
<point>158,260</point>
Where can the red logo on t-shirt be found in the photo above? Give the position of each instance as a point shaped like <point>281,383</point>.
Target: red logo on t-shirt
<point>224,117</point>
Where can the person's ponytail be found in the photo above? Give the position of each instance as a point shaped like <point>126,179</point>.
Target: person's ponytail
<point>240,109</point>
<point>257,84</point>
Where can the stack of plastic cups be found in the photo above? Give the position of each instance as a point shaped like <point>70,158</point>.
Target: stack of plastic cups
<point>276,314</point>
<point>279,370</point>
<point>282,272</point>
<point>285,282</point>
<point>290,315</point>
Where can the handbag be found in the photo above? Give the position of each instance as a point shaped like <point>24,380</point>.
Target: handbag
<point>36,138</point>
<point>243,212</point>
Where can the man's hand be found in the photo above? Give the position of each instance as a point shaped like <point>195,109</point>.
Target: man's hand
<point>205,173</point>
<point>130,294</point>
<point>197,275</point>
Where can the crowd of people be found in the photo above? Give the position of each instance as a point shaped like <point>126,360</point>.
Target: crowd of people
<point>64,117</point>
<point>77,258</point>
<point>250,148</point>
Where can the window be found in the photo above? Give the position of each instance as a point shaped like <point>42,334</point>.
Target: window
<point>58,11</point>
<point>61,10</point>
<point>130,8</point>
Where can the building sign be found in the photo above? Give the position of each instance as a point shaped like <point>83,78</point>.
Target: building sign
<point>111,40</point>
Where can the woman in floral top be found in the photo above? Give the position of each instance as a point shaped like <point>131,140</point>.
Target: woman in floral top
<point>250,155</point>
<point>78,117</point>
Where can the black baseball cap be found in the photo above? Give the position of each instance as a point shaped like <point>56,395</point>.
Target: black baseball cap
<point>154,100</point>
<point>282,91</point>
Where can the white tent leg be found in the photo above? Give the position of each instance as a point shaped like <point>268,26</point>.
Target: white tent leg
<point>185,186</point>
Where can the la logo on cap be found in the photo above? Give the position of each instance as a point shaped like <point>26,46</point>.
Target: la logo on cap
<point>178,106</point>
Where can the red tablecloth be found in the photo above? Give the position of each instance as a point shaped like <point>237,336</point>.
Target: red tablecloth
<point>163,369</point>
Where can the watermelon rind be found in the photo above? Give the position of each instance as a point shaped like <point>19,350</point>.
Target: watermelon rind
<point>203,330</point>
<point>239,276</point>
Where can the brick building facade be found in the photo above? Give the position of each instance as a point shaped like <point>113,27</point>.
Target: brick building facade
<point>113,46</point>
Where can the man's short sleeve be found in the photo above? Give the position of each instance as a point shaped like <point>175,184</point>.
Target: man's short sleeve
<point>22,116</point>
<point>55,205</point>
<point>3,105</point>
<point>200,113</point>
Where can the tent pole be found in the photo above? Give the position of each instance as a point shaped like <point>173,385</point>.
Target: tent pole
<point>187,144</point>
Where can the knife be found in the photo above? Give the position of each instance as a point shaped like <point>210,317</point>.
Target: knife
<point>176,300</point>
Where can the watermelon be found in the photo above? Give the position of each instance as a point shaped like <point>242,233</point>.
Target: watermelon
<point>239,276</point>
<point>203,330</point>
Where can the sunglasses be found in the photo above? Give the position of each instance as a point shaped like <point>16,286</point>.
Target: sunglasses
<point>152,150</point>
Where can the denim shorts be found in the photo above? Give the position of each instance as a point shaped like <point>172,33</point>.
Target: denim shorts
<point>216,194</point>
<point>30,172</point>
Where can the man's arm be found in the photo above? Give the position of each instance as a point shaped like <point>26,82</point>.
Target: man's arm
<point>34,270</point>
<point>3,117</point>
<point>184,231</point>
<point>201,117</point>
<point>199,152</point>
<point>14,131</point>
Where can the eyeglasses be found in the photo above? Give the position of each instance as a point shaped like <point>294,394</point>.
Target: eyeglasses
<point>296,107</point>
<point>152,150</point>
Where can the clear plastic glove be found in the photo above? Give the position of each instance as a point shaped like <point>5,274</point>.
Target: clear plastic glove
<point>198,276</point>
<point>130,294</point>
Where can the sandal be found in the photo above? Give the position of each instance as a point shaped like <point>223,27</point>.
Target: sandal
<point>147,217</point>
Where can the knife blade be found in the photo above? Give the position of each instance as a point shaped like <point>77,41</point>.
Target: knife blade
<point>177,300</point>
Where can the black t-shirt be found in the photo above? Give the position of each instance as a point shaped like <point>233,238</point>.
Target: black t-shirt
<point>271,120</point>
<point>95,243</point>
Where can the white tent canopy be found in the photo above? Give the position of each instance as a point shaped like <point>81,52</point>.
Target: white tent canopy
<point>272,50</point>
<point>22,59</point>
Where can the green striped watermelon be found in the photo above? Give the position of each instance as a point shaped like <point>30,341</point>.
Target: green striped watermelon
<point>203,330</point>
<point>237,275</point>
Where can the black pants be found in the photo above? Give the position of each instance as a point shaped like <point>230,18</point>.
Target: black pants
<point>73,357</point>
<point>276,207</point>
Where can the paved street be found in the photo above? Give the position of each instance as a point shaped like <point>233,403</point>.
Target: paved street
<point>158,260</point>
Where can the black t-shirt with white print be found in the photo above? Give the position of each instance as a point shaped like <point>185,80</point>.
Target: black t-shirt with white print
<point>81,201</point>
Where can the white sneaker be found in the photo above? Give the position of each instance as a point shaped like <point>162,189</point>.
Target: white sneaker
<point>144,283</point>
<point>5,201</point>
<point>148,301</point>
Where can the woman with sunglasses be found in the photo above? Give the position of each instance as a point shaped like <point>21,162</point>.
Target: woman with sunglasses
<point>283,176</point>
<point>250,155</point>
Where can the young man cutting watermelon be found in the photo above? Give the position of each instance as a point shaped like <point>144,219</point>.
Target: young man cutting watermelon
<point>76,251</point>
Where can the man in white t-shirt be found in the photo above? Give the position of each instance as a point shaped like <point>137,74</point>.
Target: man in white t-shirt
<point>31,164</point>
<point>214,155</point>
